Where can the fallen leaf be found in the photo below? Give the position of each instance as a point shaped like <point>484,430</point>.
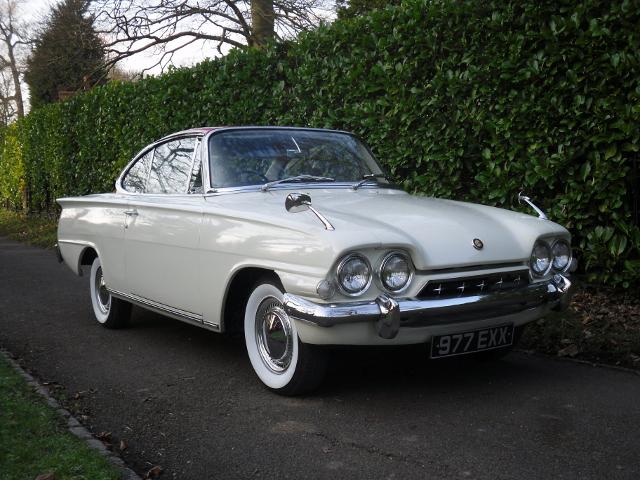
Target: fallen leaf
<point>570,351</point>
<point>104,436</point>
<point>153,472</point>
<point>46,476</point>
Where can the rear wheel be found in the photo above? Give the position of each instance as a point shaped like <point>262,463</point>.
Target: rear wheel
<point>282,362</point>
<point>110,312</point>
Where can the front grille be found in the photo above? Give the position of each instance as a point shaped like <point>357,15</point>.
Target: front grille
<point>474,285</point>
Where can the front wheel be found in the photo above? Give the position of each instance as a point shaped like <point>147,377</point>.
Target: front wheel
<point>110,312</point>
<point>282,362</point>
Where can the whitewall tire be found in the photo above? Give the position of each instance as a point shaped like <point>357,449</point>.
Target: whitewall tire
<point>110,312</point>
<point>282,362</point>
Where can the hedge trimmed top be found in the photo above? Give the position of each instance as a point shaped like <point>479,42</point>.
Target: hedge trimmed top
<point>466,99</point>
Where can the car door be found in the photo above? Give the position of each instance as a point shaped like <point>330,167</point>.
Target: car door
<point>162,233</point>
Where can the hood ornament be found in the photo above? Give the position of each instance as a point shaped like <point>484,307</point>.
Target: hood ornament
<point>478,244</point>
<point>301,202</point>
<point>524,199</point>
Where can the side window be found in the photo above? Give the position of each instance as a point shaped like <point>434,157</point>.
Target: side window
<point>171,166</point>
<point>195,184</point>
<point>136,178</point>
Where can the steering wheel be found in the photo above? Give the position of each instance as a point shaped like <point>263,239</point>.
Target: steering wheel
<point>254,173</point>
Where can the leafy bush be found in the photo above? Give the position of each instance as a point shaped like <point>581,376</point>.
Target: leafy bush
<point>467,99</point>
<point>12,180</point>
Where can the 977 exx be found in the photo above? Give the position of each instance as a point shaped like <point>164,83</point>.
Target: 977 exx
<point>472,341</point>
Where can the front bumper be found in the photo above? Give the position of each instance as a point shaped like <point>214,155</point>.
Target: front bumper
<point>390,314</point>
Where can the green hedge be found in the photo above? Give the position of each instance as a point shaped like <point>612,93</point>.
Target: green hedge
<point>467,99</point>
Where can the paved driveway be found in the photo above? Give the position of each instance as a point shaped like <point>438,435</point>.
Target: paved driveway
<point>187,399</point>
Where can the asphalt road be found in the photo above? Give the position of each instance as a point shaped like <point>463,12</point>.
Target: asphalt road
<point>187,399</point>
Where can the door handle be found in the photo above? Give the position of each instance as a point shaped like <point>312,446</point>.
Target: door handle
<point>129,213</point>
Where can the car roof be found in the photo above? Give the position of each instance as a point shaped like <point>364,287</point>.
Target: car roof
<point>206,130</point>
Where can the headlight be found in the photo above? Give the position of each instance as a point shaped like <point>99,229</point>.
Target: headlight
<point>540,259</point>
<point>395,271</point>
<point>561,255</point>
<point>354,274</point>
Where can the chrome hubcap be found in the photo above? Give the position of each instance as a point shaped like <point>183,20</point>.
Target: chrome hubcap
<point>274,335</point>
<point>102,294</point>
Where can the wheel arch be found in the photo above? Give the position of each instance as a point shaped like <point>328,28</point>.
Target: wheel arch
<point>87,256</point>
<point>237,293</point>
<point>77,254</point>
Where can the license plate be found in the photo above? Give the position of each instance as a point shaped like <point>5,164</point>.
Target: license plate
<point>471,341</point>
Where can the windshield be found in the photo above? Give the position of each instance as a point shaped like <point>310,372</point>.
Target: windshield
<point>255,157</point>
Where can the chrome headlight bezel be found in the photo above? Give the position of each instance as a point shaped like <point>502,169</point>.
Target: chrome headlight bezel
<point>565,267</point>
<point>540,273</point>
<point>387,257</point>
<point>347,258</point>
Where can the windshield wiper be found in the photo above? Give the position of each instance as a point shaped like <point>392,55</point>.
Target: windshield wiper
<point>369,177</point>
<point>297,178</point>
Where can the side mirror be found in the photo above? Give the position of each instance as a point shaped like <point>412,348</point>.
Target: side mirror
<point>301,202</point>
<point>524,199</point>
<point>297,202</point>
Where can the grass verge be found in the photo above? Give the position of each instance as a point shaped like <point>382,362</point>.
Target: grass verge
<point>34,229</point>
<point>35,441</point>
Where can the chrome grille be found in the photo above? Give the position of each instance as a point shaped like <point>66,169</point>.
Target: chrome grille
<point>474,285</point>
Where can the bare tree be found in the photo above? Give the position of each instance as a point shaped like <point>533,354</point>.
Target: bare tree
<point>7,104</point>
<point>13,39</point>
<point>166,26</point>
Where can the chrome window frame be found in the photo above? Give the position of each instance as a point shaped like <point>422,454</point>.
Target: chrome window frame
<point>296,186</point>
<point>209,191</point>
<point>145,151</point>
<point>178,136</point>
<point>194,162</point>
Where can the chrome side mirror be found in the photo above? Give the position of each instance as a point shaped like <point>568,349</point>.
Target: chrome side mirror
<point>297,202</point>
<point>301,202</point>
<point>524,199</point>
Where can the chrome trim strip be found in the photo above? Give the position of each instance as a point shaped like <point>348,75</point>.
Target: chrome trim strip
<point>84,243</point>
<point>421,313</point>
<point>212,326</point>
<point>160,307</point>
<point>480,269</point>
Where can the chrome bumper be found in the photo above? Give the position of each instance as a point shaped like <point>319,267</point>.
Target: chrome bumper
<point>390,313</point>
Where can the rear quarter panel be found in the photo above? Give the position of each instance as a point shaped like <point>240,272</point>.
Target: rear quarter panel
<point>94,221</point>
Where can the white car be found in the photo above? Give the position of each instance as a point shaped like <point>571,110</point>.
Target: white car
<point>296,237</point>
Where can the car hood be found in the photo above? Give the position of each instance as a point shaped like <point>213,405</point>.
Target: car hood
<point>438,233</point>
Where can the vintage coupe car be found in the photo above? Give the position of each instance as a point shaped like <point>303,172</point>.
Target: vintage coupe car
<point>296,237</point>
